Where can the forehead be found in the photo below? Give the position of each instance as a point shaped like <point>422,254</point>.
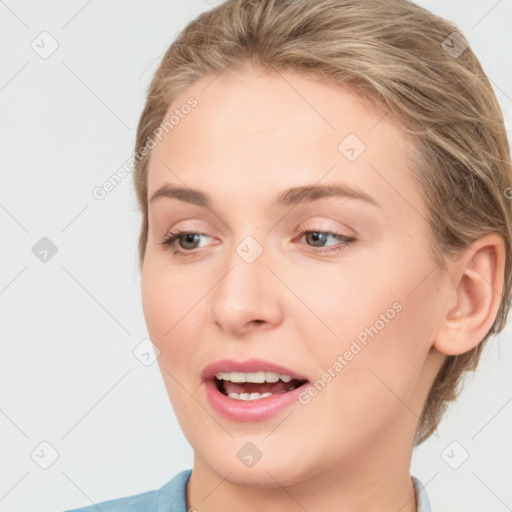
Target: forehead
<point>255,130</point>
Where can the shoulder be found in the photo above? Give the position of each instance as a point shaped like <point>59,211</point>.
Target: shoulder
<point>171,496</point>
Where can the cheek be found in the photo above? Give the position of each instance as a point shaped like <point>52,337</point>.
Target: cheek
<point>169,298</point>
<point>172,307</point>
<point>370,386</point>
<point>386,353</point>
<point>381,321</point>
<point>340,301</point>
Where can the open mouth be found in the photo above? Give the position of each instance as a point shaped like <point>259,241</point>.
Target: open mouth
<point>255,385</point>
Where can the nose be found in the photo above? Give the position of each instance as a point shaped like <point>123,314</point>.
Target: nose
<point>247,297</point>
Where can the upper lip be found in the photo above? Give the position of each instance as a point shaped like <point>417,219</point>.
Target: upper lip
<point>250,365</point>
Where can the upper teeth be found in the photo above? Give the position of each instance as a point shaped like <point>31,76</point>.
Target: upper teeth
<point>256,377</point>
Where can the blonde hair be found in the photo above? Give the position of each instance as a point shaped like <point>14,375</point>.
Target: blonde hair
<point>397,55</point>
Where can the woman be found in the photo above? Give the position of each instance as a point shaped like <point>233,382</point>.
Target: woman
<point>325,248</point>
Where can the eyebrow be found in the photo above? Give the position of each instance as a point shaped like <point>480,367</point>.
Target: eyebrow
<point>289,197</point>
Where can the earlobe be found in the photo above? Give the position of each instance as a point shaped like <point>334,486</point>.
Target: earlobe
<point>478,285</point>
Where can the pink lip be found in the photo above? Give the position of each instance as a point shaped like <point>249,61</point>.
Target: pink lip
<point>247,411</point>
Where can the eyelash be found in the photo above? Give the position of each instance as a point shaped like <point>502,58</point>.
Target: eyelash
<point>172,237</point>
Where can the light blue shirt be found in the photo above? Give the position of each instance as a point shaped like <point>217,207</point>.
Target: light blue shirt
<point>171,498</point>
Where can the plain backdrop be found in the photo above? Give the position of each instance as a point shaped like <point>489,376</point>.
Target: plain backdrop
<point>74,397</point>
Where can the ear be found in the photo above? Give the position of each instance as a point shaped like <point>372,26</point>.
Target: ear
<point>477,281</point>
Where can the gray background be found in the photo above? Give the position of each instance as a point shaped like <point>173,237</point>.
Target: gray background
<point>68,375</point>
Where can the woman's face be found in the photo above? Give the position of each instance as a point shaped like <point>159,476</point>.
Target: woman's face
<point>311,263</point>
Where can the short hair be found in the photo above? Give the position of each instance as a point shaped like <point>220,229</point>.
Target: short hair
<point>400,57</point>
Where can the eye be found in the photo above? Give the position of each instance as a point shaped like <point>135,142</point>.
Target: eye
<point>189,237</point>
<point>320,237</point>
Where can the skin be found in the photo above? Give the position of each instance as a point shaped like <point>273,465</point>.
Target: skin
<point>252,135</point>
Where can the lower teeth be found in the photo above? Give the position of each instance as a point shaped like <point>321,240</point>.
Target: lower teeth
<point>256,396</point>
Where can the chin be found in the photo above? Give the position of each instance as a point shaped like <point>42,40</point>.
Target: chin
<point>272,471</point>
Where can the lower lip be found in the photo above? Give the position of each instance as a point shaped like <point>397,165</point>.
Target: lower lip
<point>249,410</point>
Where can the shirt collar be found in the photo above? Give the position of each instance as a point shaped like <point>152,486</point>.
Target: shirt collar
<point>174,493</point>
<point>423,504</point>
